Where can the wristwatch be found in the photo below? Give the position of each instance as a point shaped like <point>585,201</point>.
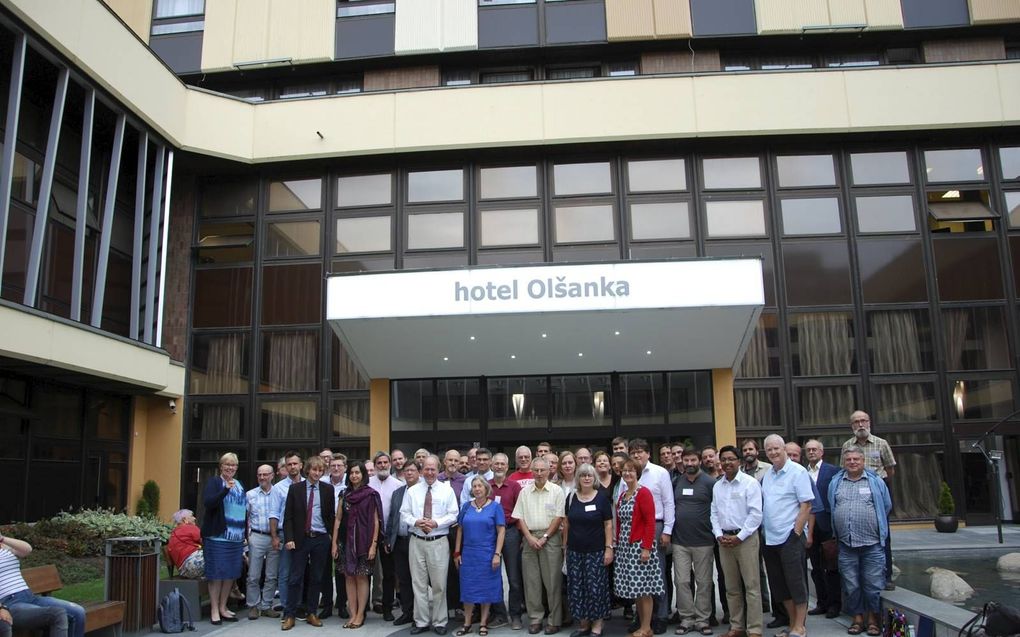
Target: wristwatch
<point>545,536</point>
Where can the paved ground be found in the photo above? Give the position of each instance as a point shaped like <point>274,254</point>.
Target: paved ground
<point>972,537</point>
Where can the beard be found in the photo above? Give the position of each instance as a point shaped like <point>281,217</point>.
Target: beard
<point>749,458</point>
<point>382,474</point>
<point>692,470</point>
<point>862,433</point>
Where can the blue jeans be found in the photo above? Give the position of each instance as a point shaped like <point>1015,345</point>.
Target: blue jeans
<point>862,572</point>
<point>65,619</point>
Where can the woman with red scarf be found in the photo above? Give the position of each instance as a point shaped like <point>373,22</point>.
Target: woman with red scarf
<point>356,554</point>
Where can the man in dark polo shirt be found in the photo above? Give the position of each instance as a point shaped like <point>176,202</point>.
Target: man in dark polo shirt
<point>692,545</point>
<point>505,492</point>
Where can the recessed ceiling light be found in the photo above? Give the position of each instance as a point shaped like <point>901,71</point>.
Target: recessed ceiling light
<point>544,334</point>
<point>446,358</point>
<point>472,338</point>
<point>617,332</point>
<point>513,356</point>
<point>580,353</point>
<point>649,352</point>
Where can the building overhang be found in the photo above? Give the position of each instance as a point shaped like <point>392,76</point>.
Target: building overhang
<point>548,319</point>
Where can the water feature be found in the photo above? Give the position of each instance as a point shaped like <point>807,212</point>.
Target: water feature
<point>975,566</point>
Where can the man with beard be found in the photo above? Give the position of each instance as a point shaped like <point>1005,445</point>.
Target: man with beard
<point>710,462</point>
<point>878,457</point>
<point>385,484</point>
<point>710,465</point>
<point>752,465</point>
<point>692,545</point>
<point>277,517</point>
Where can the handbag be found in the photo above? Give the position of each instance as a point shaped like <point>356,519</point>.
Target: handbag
<point>830,554</point>
<point>997,620</point>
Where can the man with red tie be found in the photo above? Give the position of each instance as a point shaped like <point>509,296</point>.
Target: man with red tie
<point>310,511</point>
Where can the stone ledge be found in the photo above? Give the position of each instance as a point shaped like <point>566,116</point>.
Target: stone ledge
<point>947,618</point>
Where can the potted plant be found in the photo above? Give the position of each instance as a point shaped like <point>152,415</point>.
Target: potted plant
<point>946,521</point>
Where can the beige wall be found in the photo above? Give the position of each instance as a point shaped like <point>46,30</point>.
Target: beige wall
<point>723,407</point>
<point>647,19</point>
<point>137,14</point>
<point>245,31</point>
<point>379,415</point>
<point>437,25</point>
<point>989,11</point>
<point>156,435</point>
<point>791,16</point>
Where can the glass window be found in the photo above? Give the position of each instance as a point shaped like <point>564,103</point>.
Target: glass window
<point>178,8</point>
<point>509,227</point>
<point>657,175</point>
<point>310,89</point>
<point>817,273</point>
<point>981,399</point>
<point>869,169</point>
<point>289,419</point>
<point>894,213</point>
<point>900,342</point>
<point>295,194</point>
<point>26,179</point>
<point>797,171</point>
<point>758,408</point>
<point>751,249</point>
<point>291,294</point>
<point>1010,159</point>
<point>458,404</point>
<point>226,242</point>
<point>581,179</point>
<point>290,361</point>
<point>732,172</point>
<point>413,407</point>
<point>350,417</point>
<point>581,401</point>
<point>1013,208</point>
<point>503,77</point>
<point>735,218</point>
<point>363,234</point>
<point>352,8</point>
<point>59,411</point>
<point>822,344</point>
<point>508,182</point>
<point>811,216</point>
<point>621,69</point>
<point>642,399</point>
<point>292,239</point>
<point>659,221</point>
<point>953,165</point>
<point>571,73</point>
<point>344,370</point>
<point>516,403</point>
<point>364,190</point>
<point>222,298</point>
<point>975,338</point>
<point>905,402</point>
<point>217,422</point>
<point>580,224</point>
<point>827,405</point>
<point>690,397</point>
<point>761,360</point>
<point>435,230</point>
<point>967,269</point>
<point>220,364</point>
<point>892,271</point>
<point>224,198</point>
<point>435,185</point>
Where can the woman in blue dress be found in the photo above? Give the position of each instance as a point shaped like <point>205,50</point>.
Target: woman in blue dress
<point>479,554</point>
<point>223,536</point>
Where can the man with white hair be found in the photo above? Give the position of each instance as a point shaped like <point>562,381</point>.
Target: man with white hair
<point>260,547</point>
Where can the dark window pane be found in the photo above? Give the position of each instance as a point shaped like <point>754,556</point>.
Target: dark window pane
<point>19,232</point>
<point>822,344</point>
<point>981,399</point>
<point>642,399</point>
<point>413,405</point>
<point>735,218</point>
<point>581,224</point>
<point>762,357</point>
<point>657,175</point>
<point>817,273</point>
<point>364,234</point>
<point>222,298</point>
<point>435,185</point>
<point>59,411</point>
<point>1014,251</point>
<point>220,364</point>
<point>758,408</point>
<point>226,242</point>
<point>953,165</point>
<point>649,221</point>
<point>223,198</point>
<point>581,401</point>
<point>291,294</point>
<point>905,402</point>
<point>690,397</point>
<point>916,487</point>
<point>968,269</point>
<point>900,342</point>
<point>425,261</point>
<point>763,250</point>
<point>571,73</point>
<point>295,194</point>
<point>291,419</point>
<point>217,422</point>
<point>109,416</point>
<point>367,264</point>
<point>435,230</point>
<point>732,172</point>
<point>518,403</point>
<point>811,216</point>
<point>657,251</point>
<point>350,418</point>
<point>458,404</point>
<point>975,338</point>
<point>880,168</point>
<point>365,190</point>
<point>26,179</point>
<point>500,77</point>
<point>886,214</point>
<point>508,182</point>
<point>292,239</point>
<point>580,179</point>
<point>1010,159</point>
<point>805,170</point>
<point>826,406</point>
<point>892,271</point>
<point>117,304</point>
<point>509,227</point>
<point>345,373</point>
<point>290,361</point>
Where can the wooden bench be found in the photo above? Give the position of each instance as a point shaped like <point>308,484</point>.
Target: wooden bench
<point>44,580</point>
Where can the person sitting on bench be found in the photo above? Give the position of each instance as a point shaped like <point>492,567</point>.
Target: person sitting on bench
<point>28,610</point>
<point>185,546</point>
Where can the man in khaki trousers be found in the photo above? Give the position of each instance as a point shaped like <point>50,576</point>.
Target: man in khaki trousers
<point>736,516</point>
<point>539,512</point>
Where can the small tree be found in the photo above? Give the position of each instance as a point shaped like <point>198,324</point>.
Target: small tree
<point>142,508</point>
<point>150,493</point>
<point>947,506</point>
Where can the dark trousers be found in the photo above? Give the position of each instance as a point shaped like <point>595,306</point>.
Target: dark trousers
<point>386,562</point>
<point>402,571</point>
<point>721,582</point>
<point>827,584</point>
<point>315,549</point>
<point>514,575</point>
<point>331,577</point>
<point>453,577</point>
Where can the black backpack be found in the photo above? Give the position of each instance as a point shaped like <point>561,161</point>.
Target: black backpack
<point>174,613</point>
<point>997,620</point>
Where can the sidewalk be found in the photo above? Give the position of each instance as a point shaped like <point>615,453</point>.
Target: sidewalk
<point>972,537</point>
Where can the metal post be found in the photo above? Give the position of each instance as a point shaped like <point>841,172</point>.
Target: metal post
<point>80,218</point>
<point>150,276</point>
<point>45,189</point>
<point>166,231</point>
<point>10,140</point>
<point>109,205</point>
<point>136,246</point>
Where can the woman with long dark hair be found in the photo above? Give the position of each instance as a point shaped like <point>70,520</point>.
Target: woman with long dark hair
<point>362,509</point>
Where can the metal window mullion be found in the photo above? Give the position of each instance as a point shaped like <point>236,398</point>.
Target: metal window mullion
<point>166,230</point>
<point>81,222</point>
<point>139,232</point>
<point>154,217</point>
<point>107,231</point>
<point>43,207</point>
<point>10,140</point>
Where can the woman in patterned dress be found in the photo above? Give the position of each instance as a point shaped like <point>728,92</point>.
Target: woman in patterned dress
<point>362,508</point>
<point>588,533</point>
<point>223,536</point>
<point>638,576</point>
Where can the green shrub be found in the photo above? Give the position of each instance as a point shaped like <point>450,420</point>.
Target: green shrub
<point>947,506</point>
<point>143,508</point>
<point>150,493</point>
<point>107,523</point>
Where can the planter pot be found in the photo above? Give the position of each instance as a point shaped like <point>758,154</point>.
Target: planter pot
<point>946,523</point>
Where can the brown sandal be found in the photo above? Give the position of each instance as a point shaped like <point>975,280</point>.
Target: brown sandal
<point>855,629</point>
<point>874,630</point>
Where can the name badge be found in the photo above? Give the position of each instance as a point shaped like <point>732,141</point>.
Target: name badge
<point>864,490</point>
<point>589,508</point>
<point>498,499</point>
<point>688,492</point>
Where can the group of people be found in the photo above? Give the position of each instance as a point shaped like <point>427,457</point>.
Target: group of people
<point>575,533</point>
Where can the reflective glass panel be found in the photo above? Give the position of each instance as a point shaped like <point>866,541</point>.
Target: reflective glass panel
<point>291,294</point>
<point>811,216</point>
<point>660,221</point>
<point>761,360</point>
<point>893,213</point>
<point>364,190</point>
<point>732,172</point>
<point>657,175</point>
<point>435,185</point>
<point>290,361</point>
<point>690,397</point>
<point>220,364</point>
<point>509,227</point>
<point>981,399</point>
<point>900,342</point>
<point>224,198</point>
<point>508,182</point>
<point>892,271</point>
<point>642,399</point>
<point>817,273</point>
<point>344,371</point>
<point>226,242</point>
<point>827,405</point>
<point>962,164</point>
<point>350,418</point>
<point>458,404</point>
<point>222,298</point>
<point>1013,208</point>
<point>435,230</point>
<point>295,194</point>
<point>581,401</point>
<point>967,269</point>
<point>735,218</point>
<point>905,402</point>
<point>975,338</point>
<point>822,344</point>
<point>413,408</point>
<point>758,408</point>
<point>580,224</point>
<point>217,422</point>
<point>1010,159</point>
<point>805,170</point>
<point>580,179</point>
<point>292,239</point>
<point>880,168</point>
<point>289,419</point>
<point>363,234</point>
<point>518,403</point>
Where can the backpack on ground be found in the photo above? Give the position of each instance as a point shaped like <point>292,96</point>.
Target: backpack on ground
<point>995,620</point>
<point>174,613</point>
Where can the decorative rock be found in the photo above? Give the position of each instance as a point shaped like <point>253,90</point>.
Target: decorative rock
<point>948,586</point>
<point>1010,562</point>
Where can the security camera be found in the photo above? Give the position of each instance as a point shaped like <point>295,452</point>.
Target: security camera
<point>173,406</point>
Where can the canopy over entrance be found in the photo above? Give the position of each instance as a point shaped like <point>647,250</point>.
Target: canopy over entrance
<point>548,319</point>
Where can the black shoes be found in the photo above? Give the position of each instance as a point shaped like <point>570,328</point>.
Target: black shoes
<point>832,613</point>
<point>439,630</point>
<point>402,620</point>
<point>387,615</point>
<point>776,623</point>
<point>817,610</point>
<point>417,630</point>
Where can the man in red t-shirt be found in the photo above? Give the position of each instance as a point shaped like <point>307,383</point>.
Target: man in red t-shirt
<point>523,476</point>
<point>505,491</point>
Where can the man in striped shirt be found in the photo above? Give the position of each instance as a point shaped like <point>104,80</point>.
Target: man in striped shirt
<point>28,610</point>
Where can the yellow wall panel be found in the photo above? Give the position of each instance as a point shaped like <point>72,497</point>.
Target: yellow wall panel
<point>251,31</point>
<point>418,27</point>
<point>630,20</point>
<point>723,409</point>
<point>847,12</point>
<point>986,11</point>
<point>790,16</point>
<point>672,18</point>
<point>303,31</point>
<point>884,14</point>
<point>460,25</point>
<point>137,14</point>
<point>379,414</point>
<point>218,39</point>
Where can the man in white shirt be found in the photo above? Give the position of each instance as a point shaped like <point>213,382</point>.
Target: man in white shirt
<point>385,484</point>
<point>337,478</point>
<point>294,465</point>
<point>656,479</point>
<point>260,547</point>
<point>483,460</point>
<point>736,516</point>
<point>430,508</point>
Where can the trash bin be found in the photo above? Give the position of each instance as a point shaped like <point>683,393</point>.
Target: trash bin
<point>132,576</point>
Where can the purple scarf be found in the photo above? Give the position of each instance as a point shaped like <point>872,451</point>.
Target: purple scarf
<point>364,508</point>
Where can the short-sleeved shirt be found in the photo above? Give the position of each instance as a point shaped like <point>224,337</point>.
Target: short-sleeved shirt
<point>587,522</point>
<point>537,508</point>
<point>854,518</point>
<point>694,511</point>
<point>11,580</point>
<point>783,492</point>
<point>877,454</point>
<point>506,495</point>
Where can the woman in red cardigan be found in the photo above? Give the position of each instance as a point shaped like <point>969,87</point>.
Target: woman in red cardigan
<point>637,575</point>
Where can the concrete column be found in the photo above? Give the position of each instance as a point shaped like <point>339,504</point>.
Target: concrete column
<point>723,407</point>
<point>379,415</point>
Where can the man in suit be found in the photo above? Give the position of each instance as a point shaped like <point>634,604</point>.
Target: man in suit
<point>827,586</point>
<point>308,522</point>
<point>397,538</point>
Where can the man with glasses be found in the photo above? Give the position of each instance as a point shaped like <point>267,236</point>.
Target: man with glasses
<point>539,512</point>
<point>523,475</point>
<point>657,481</point>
